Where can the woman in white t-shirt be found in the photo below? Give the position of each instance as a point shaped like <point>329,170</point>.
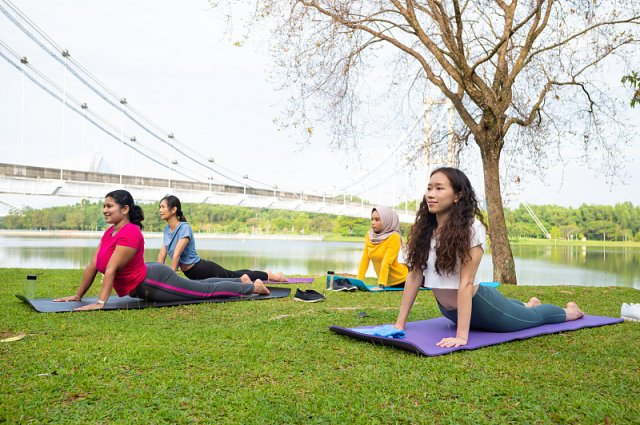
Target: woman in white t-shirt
<point>444,250</point>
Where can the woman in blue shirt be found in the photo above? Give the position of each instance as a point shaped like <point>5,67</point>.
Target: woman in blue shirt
<point>178,243</point>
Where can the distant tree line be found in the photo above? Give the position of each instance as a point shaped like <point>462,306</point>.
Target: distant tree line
<point>202,217</point>
<point>620,222</point>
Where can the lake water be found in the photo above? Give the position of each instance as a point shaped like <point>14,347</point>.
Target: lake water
<point>535,265</point>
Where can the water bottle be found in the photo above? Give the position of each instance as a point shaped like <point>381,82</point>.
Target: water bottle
<point>330,277</point>
<point>30,287</point>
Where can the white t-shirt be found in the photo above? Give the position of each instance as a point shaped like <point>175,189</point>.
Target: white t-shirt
<point>433,280</point>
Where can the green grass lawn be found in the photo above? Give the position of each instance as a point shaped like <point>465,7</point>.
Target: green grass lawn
<point>276,362</point>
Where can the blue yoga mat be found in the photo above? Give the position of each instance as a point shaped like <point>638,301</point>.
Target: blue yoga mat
<point>421,336</point>
<point>375,288</point>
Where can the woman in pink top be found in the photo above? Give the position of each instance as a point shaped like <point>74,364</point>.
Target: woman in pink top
<point>120,258</point>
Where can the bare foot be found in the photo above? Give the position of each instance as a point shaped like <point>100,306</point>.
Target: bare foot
<point>260,288</point>
<point>533,302</point>
<point>573,312</point>
<point>276,277</point>
<point>245,278</point>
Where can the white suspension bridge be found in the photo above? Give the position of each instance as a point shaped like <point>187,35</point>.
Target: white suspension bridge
<point>17,181</point>
<point>183,170</point>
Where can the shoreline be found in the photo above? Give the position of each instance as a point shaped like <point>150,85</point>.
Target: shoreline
<point>319,238</point>
<point>155,235</point>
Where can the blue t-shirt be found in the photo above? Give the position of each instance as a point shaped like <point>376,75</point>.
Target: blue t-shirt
<point>170,239</point>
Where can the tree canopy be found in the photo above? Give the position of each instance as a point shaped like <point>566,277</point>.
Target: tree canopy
<point>522,76</point>
<point>634,81</point>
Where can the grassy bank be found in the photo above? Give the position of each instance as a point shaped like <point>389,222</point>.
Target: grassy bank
<point>276,362</point>
<point>323,237</point>
<point>338,238</point>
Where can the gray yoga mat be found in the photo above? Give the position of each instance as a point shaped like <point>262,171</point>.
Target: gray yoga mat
<point>46,305</point>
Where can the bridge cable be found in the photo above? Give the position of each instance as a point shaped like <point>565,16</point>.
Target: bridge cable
<point>110,92</point>
<point>87,117</point>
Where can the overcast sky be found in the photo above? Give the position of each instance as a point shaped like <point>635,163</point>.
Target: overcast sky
<point>172,62</point>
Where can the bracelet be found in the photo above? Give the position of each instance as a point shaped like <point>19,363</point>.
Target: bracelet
<point>100,301</point>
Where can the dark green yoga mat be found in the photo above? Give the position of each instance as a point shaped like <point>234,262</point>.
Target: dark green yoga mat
<point>374,288</point>
<point>46,305</point>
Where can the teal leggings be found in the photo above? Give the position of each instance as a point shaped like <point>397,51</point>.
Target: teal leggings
<point>491,311</point>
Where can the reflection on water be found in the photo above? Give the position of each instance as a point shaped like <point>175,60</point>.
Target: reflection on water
<point>536,265</point>
<point>292,257</point>
<point>575,265</point>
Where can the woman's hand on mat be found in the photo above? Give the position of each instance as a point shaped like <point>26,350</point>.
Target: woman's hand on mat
<point>87,307</point>
<point>452,342</point>
<point>67,299</point>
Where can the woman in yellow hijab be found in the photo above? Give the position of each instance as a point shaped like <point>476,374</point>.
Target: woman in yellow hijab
<point>381,246</point>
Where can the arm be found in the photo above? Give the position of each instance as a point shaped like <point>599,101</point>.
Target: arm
<point>465,294</point>
<point>364,261</point>
<point>88,277</point>
<point>390,255</point>
<point>411,288</point>
<point>120,258</point>
<point>180,246</point>
<point>162,255</point>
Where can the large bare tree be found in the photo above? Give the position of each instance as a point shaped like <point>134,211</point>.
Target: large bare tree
<point>519,74</point>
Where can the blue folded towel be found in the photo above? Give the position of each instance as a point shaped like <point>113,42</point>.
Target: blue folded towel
<point>387,331</point>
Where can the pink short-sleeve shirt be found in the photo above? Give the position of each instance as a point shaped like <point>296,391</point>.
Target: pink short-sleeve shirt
<point>133,273</point>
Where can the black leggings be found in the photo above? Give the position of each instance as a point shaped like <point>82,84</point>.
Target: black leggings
<point>205,269</point>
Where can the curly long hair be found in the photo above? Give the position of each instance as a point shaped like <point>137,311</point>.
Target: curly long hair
<point>454,237</point>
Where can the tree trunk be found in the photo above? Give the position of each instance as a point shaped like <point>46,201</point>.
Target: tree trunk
<point>504,270</point>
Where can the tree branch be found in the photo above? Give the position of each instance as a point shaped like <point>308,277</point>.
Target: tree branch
<point>632,20</point>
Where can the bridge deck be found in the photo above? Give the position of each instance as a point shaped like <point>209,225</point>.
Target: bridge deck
<point>22,185</point>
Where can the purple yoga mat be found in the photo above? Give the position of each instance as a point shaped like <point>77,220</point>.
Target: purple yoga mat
<point>421,336</point>
<point>294,280</point>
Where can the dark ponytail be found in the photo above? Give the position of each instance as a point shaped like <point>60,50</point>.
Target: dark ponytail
<point>124,198</point>
<point>173,202</point>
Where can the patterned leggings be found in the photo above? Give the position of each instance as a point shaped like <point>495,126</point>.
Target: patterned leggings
<point>163,284</point>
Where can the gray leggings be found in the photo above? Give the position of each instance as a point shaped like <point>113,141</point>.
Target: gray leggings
<point>491,311</point>
<point>163,284</point>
